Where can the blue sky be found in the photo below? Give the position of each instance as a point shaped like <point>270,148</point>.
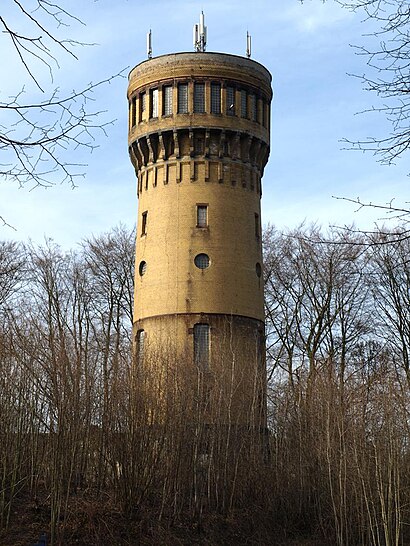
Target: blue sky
<point>306,47</point>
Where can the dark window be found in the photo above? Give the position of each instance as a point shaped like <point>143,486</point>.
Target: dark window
<point>133,112</point>
<point>258,269</point>
<point>230,101</point>
<point>215,98</point>
<point>201,345</point>
<point>201,215</point>
<point>142,268</point>
<point>244,104</point>
<point>257,226</point>
<point>202,261</point>
<point>198,144</point>
<point>199,98</point>
<point>167,100</point>
<point>144,223</point>
<point>183,98</point>
<point>140,346</point>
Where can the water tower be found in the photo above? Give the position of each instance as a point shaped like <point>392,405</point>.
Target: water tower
<point>199,141</point>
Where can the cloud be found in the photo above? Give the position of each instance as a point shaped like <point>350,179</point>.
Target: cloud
<point>313,16</point>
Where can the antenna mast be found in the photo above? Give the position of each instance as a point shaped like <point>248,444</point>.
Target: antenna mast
<point>248,44</point>
<point>200,34</point>
<point>149,44</point>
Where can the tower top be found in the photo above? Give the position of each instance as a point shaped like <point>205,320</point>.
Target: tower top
<point>231,68</point>
<point>200,34</point>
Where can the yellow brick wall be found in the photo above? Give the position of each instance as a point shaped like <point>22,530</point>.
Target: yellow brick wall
<point>172,283</point>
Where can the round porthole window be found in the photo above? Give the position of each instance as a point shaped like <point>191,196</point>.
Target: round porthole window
<point>142,268</point>
<point>258,269</point>
<point>202,261</point>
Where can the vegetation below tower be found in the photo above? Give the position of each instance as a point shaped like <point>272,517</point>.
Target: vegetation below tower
<point>81,459</point>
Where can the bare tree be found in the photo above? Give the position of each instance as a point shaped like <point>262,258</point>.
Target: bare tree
<point>37,137</point>
<point>390,211</point>
<point>98,449</point>
<point>388,75</point>
<point>12,268</point>
<point>314,299</point>
<point>340,308</point>
<point>390,283</point>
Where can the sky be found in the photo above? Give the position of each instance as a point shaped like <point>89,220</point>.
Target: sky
<point>308,50</point>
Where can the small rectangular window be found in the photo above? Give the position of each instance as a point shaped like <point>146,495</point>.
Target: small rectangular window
<point>230,101</point>
<point>215,98</point>
<point>254,111</point>
<point>144,223</point>
<point>201,216</point>
<point>257,226</point>
<point>199,98</point>
<point>244,104</point>
<point>201,345</point>
<point>140,346</point>
<point>183,98</point>
<point>154,103</point>
<point>167,100</point>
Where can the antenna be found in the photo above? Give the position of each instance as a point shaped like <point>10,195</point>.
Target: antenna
<point>196,36</point>
<point>149,44</point>
<point>199,34</point>
<point>248,44</point>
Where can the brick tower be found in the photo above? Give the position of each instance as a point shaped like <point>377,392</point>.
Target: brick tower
<point>199,142</point>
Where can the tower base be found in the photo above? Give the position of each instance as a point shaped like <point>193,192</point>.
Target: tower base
<point>213,374</point>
